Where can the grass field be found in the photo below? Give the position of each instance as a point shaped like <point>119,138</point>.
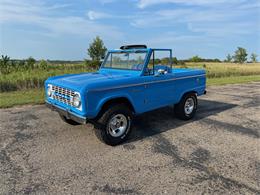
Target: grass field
<point>220,70</point>
<point>26,87</point>
<point>34,78</point>
<point>31,96</point>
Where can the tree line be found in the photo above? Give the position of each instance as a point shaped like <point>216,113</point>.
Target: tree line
<point>97,51</point>
<point>8,65</point>
<point>240,56</point>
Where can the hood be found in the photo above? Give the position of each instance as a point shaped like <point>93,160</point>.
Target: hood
<point>79,81</point>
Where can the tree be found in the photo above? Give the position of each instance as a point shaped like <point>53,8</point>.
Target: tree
<point>4,67</point>
<point>43,64</point>
<point>30,62</point>
<point>240,55</point>
<point>253,57</point>
<point>157,61</point>
<point>165,61</point>
<point>175,60</point>
<point>229,58</point>
<point>216,60</point>
<point>195,59</point>
<point>5,59</point>
<point>21,65</point>
<point>97,49</point>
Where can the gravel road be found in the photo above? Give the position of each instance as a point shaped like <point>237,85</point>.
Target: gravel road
<point>217,152</point>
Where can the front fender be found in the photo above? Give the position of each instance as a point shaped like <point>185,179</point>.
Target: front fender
<point>97,101</point>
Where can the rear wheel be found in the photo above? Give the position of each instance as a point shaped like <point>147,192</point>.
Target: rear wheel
<point>69,121</point>
<point>114,125</point>
<point>187,107</point>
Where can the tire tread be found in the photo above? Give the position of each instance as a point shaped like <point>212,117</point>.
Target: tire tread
<point>102,122</point>
<point>179,108</point>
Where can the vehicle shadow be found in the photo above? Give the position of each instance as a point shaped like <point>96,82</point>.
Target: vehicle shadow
<point>162,120</point>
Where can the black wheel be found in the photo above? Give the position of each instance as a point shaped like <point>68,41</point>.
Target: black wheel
<point>187,107</point>
<point>114,125</point>
<point>69,121</point>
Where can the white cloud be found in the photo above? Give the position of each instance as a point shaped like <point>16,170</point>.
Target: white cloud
<point>146,3</point>
<point>93,15</point>
<point>50,18</point>
<point>213,21</point>
<point>209,24</point>
<point>161,18</point>
<point>217,30</point>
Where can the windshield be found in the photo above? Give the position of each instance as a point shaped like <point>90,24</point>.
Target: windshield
<point>126,60</point>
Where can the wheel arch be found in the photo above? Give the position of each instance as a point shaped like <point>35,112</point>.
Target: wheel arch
<point>188,92</point>
<point>113,101</point>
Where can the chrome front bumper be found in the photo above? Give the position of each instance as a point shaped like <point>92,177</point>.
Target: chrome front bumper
<point>67,113</point>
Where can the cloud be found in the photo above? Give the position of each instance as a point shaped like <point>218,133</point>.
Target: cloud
<point>146,3</point>
<point>161,18</point>
<point>93,15</point>
<point>211,21</point>
<point>50,18</point>
<point>207,25</point>
<point>186,25</point>
<point>217,30</point>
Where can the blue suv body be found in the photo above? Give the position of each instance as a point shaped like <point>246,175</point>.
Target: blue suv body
<point>130,77</point>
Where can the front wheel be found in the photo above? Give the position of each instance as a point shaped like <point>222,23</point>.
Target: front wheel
<point>187,107</point>
<point>114,125</point>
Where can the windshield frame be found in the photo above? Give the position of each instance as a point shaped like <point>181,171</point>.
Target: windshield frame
<point>126,51</point>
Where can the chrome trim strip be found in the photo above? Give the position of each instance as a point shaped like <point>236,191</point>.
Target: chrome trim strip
<point>146,83</point>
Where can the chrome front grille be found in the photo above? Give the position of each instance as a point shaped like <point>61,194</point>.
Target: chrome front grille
<point>63,95</point>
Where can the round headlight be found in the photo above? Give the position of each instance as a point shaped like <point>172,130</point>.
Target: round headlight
<point>76,100</point>
<point>49,91</point>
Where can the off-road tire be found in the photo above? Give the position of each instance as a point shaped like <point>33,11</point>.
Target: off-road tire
<point>102,124</point>
<point>179,108</point>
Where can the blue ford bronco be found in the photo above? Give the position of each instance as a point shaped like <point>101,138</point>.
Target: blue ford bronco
<point>130,81</point>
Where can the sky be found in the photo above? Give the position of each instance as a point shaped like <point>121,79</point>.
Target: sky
<point>63,29</point>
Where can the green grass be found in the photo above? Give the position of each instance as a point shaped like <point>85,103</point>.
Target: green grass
<point>34,78</point>
<point>233,80</point>
<point>219,70</point>
<point>36,96</point>
<point>32,96</point>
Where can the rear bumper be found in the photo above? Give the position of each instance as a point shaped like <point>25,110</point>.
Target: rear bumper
<point>67,113</point>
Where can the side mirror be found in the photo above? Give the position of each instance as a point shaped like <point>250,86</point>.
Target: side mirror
<point>161,72</point>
